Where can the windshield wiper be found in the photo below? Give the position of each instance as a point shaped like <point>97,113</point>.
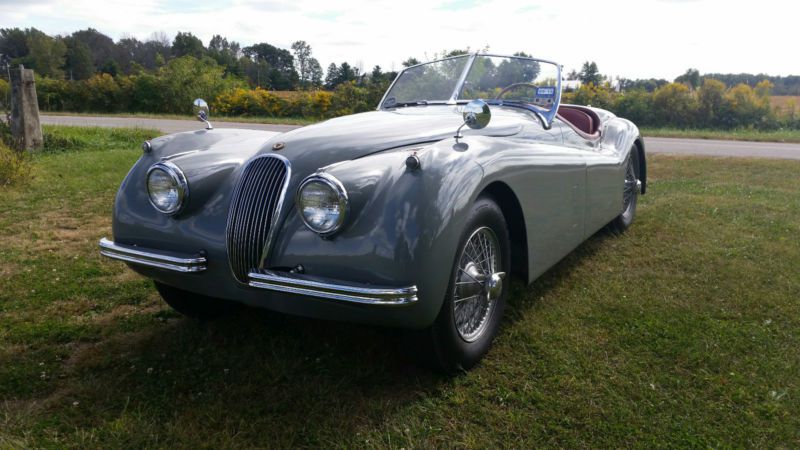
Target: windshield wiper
<point>404,104</point>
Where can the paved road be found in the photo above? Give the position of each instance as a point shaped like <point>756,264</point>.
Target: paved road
<point>166,125</point>
<point>653,145</point>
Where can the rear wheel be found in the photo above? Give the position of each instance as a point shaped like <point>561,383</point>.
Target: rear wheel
<point>193,305</point>
<point>630,194</point>
<point>477,291</point>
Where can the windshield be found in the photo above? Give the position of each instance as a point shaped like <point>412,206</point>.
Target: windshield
<point>500,80</point>
<point>431,82</point>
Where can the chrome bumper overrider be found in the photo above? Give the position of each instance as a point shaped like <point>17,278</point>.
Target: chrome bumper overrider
<point>297,284</point>
<point>151,258</point>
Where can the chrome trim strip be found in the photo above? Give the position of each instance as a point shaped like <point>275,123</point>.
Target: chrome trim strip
<point>295,284</point>
<point>151,258</point>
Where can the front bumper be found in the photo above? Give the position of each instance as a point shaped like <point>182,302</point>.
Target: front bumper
<point>333,290</point>
<point>152,258</point>
<point>281,282</point>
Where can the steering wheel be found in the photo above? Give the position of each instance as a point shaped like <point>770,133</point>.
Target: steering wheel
<point>514,86</point>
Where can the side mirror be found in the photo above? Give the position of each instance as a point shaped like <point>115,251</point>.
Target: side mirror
<point>200,108</point>
<point>476,115</point>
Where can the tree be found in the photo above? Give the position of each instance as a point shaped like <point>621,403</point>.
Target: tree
<point>47,55</point>
<point>456,52</point>
<point>410,62</point>
<point>332,76</point>
<point>225,53</point>
<point>690,78</point>
<point>78,60</point>
<point>155,51</point>
<point>187,44</point>
<point>377,75</point>
<point>302,54</point>
<point>590,74</point>
<point>278,63</point>
<point>346,73</point>
<point>14,42</point>
<point>315,72</point>
<point>129,50</point>
<point>102,47</point>
<point>110,67</point>
<point>573,75</point>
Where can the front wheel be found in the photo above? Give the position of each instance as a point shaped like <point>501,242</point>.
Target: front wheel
<point>192,305</point>
<point>476,295</point>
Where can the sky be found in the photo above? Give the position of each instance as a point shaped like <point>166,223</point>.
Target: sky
<point>627,38</point>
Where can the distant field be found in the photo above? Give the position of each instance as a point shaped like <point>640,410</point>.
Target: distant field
<point>783,103</point>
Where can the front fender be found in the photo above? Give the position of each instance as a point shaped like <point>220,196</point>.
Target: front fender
<point>403,229</point>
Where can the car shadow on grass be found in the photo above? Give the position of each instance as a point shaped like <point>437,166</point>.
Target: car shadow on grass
<point>523,297</point>
<point>302,381</point>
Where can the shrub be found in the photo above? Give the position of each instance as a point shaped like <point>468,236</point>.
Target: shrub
<point>186,78</point>
<point>747,109</point>
<point>14,166</point>
<point>674,105</point>
<point>636,106</point>
<point>5,94</point>
<point>589,94</point>
<point>348,99</point>
<point>712,105</point>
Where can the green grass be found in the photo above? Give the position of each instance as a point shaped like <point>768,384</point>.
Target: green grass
<point>213,118</point>
<point>683,332</point>
<point>68,139</point>
<point>727,135</point>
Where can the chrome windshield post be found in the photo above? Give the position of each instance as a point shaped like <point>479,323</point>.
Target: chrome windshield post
<point>461,79</point>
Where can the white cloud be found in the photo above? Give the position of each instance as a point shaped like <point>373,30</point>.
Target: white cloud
<point>630,38</point>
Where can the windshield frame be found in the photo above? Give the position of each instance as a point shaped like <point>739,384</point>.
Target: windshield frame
<point>545,115</point>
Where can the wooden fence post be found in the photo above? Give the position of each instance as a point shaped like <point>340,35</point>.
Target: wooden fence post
<point>25,127</point>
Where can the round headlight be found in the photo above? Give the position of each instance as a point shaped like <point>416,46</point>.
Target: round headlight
<point>167,187</point>
<point>322,202</point>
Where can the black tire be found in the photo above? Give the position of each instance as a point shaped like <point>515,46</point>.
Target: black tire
<point>450,350</point>
<point>630,195</point>
<point>193,305</point>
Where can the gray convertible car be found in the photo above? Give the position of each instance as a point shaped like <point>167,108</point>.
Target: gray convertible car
<point>414,215</point>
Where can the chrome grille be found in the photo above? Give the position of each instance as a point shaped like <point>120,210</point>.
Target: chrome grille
<point>255,206</point>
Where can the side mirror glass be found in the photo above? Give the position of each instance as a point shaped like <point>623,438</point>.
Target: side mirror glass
<point>477,114</point>
<point>200,108</point>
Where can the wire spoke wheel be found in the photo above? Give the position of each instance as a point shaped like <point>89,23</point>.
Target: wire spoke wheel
<point>631,186</point>
<point>477,284</point>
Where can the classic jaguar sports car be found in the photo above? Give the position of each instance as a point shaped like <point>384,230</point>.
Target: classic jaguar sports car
<point>413,215</point>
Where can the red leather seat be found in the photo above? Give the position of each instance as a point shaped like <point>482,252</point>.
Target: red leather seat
<point>580,119</point>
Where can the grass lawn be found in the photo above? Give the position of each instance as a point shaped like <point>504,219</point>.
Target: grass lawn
<point>727,135</point>
<point>684,332</point>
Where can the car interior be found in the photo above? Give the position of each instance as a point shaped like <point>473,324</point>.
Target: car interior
<point>583,120</point>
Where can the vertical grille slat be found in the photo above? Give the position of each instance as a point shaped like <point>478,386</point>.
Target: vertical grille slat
<point>255,206</point>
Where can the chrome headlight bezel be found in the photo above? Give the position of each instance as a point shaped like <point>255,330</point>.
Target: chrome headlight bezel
<point>178,179</point>
<point>343,200</point>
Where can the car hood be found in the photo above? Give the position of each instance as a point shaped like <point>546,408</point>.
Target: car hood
<point>358,135</point>
<point>208,156</point>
